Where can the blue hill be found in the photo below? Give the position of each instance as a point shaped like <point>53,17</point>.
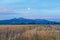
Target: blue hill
<point>27,21</point>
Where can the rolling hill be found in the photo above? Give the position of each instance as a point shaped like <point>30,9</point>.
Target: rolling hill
<point>27,21</point>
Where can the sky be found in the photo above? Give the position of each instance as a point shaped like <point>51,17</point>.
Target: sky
<point>33,9</point>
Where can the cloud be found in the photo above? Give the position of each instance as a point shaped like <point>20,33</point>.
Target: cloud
<point>6,11</point>
<point>39,8</point>
<point>3,9</point>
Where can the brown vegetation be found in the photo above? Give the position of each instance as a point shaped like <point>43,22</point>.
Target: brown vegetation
<point>29,32</point>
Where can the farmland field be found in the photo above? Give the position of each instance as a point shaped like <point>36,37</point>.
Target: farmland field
<point>29,32</point>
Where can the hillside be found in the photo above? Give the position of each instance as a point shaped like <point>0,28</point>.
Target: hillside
<point>27,21</point>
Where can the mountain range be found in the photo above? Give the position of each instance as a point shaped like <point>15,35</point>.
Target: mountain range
<point>27,21</point>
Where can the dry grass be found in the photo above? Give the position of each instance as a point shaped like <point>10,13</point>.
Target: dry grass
<point>29,32</point>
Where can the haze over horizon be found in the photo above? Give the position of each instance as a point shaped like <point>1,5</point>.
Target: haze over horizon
<point>31,9</point>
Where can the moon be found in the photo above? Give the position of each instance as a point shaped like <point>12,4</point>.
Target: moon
<point>28,8</point>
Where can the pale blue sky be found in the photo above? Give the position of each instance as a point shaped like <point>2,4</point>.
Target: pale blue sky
<point>30,9</point>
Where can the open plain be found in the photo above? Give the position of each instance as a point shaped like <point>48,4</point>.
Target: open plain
<point>29,32</point>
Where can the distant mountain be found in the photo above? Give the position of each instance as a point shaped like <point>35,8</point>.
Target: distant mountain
<point>27,21</point>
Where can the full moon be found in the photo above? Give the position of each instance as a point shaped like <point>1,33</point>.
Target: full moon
<point>29,8</point>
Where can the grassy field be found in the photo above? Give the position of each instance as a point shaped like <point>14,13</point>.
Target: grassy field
<point>29,32</point>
